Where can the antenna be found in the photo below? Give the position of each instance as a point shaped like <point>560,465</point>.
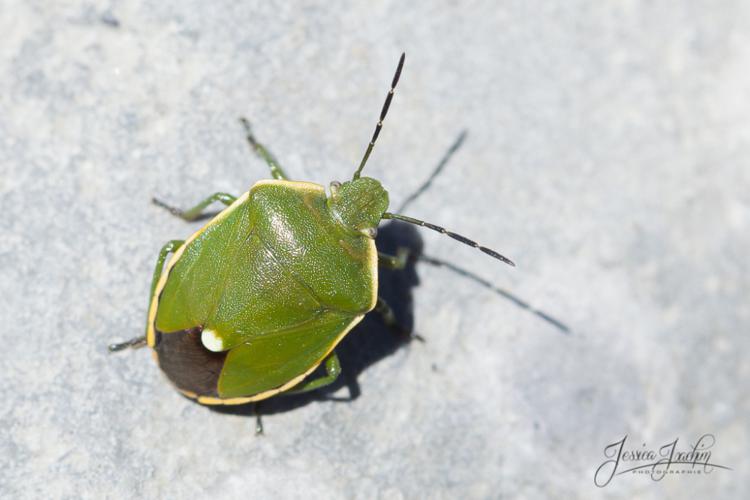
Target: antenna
<point>457,237</point>
<point>383,112</point>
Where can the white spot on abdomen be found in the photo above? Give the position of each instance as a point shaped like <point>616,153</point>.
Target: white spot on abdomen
<point>211,341</point>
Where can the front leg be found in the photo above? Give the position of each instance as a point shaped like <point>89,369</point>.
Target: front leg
<point>397,261</point>
<point>276,171</point>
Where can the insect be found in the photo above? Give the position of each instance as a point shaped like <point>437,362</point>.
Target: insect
<point>251,304</point>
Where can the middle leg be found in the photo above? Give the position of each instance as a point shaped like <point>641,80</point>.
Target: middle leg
<point>193,213</point>
<point>389,318</point>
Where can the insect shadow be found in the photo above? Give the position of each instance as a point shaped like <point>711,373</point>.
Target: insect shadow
<point>371,340</point>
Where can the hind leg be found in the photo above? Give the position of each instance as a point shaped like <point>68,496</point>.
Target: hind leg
<point>333,369</point>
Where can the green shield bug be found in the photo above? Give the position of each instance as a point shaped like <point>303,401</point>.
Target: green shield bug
<point>251,304</point>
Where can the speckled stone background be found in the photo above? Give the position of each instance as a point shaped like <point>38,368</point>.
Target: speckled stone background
<point>607,151</point>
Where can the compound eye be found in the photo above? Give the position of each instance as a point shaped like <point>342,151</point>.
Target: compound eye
<point>335,186</point>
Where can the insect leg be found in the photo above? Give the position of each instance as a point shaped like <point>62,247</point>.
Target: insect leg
<point>258,420</point>
<point>165,250</point>
<point>391,322</point>
<point>333,369</point>
<point>276,171</point>
<point>135,343</point>
<point>397,261</point>
<point>196,211</point>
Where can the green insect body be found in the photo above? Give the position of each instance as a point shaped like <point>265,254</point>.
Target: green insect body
<point>258,298</point>
<point>275,282</point>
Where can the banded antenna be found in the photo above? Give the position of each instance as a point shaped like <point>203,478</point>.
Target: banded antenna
<point>455,236</point>
<point>383,112</point>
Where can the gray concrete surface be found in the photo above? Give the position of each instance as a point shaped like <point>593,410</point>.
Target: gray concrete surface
<point>607,153</point>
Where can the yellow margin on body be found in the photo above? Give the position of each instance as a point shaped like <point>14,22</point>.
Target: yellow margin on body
<point>150,331</point>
